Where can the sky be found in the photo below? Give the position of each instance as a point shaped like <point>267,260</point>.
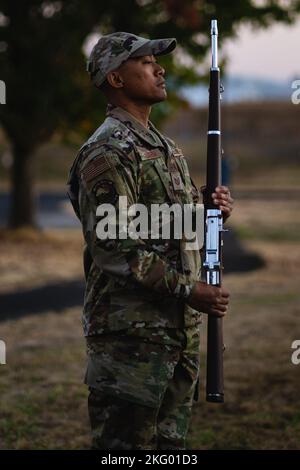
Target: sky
<point>265,53</point>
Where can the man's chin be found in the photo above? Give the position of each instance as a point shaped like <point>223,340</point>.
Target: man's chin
<point>159,98</point>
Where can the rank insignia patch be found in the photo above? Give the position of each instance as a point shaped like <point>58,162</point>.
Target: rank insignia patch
<point>177,181</point>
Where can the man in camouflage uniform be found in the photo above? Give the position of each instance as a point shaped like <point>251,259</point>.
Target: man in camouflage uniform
<point>143,296</point>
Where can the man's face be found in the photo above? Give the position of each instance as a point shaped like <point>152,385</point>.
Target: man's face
<point>143,80</point>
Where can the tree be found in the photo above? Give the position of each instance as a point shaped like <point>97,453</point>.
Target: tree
<point>42,63</point>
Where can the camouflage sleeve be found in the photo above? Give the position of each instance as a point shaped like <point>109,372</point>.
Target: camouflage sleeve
<point>104,179</point>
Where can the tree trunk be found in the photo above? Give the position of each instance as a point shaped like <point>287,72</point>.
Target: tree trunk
<point>23,204</point>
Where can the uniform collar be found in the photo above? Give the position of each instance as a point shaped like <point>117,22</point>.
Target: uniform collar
<point>150,135</point>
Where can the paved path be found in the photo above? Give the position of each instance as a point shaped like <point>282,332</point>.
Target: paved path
<point>53,210</point>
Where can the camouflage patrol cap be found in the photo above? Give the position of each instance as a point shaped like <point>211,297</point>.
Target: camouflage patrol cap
<point>114,49</point>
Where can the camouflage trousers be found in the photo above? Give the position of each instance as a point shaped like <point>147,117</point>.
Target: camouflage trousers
<point>142,386</point>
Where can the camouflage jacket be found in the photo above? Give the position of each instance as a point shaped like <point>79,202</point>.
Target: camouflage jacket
<point>133,283</point>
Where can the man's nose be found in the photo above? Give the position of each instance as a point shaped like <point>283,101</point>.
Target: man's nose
<point>159,70</point>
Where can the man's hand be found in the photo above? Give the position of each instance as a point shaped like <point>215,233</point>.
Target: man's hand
<point>223,200</point>
<point>209,299</point>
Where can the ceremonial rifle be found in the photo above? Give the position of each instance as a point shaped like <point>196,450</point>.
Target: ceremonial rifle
<point>212,263</point>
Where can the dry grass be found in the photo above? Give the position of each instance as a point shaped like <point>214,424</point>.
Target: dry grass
<point>262,385</point>
<point>30,259</point>
<point>43,400</point>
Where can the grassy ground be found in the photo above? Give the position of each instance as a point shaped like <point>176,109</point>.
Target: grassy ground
<point>262,409</point>
<point>43,400</point>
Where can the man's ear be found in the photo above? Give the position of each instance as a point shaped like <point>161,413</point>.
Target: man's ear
<point>114,79</point>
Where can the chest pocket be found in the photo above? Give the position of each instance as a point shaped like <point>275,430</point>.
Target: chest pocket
<point>157,187</point>
<point>162,182</point>
<point>156,183</point>
<point>191,193</point>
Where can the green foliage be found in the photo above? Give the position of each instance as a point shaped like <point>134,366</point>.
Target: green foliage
<point>43,64</point>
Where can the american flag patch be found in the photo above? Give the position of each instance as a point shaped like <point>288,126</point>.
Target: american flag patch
<point>95,168</point>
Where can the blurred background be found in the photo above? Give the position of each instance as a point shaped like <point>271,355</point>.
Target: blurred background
<point>49,109</point>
